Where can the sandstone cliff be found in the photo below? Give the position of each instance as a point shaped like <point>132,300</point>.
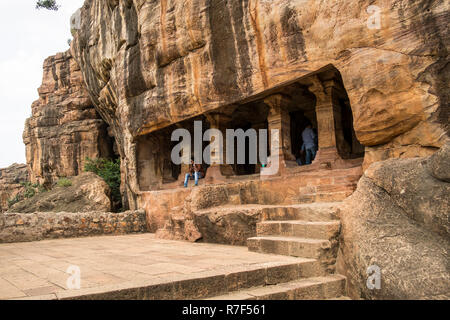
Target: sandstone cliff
<point>148,64</point>
<point>10,183</point>
<point>64,127</point>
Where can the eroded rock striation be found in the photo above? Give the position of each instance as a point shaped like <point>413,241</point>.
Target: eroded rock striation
<point>11,180</point>
<point>149,64</point>
<point>398,220</point>
<point>64,127</point>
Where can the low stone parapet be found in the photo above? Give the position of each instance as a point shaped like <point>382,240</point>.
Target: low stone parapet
<point>22,227</point>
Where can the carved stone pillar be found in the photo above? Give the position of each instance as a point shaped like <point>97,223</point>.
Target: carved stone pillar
<point>184,166</point>
<point>257,127</point>
<point>326,120</point>
<point>280,120</point>
<point>218,169</point>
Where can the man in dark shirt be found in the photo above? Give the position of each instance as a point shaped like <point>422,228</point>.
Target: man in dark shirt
<point>196,172</point>
<point>309,143</point>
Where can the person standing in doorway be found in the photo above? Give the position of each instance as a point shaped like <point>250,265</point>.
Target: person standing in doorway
<point>309,143</point>
<point>196,172</point>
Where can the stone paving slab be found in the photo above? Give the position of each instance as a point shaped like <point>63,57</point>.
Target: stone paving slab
<point>38,270</point>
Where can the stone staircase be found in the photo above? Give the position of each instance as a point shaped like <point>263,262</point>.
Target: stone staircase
<point>284,278</point>
<point>307,231</point>
<point>295,216</point>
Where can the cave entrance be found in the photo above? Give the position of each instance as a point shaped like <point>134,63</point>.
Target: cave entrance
<point>155,167</point>
<point>319,99</point>
<point>336,135</point>
<point>251,116</point>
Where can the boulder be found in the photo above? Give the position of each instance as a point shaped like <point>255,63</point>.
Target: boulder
<point>398,220</point>
<point>11,180</point>
<point>88,192</point>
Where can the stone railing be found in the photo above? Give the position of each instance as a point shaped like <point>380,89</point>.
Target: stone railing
<point>22,227</point>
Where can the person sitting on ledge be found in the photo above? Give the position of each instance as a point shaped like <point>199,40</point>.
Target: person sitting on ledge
<point>309,143</point>
<point>196,172</point>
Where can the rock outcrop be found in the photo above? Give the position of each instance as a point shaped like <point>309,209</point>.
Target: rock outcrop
<point>87,192</point>
<point>64,127</point>
<point>149,64</point>
<point>11,180</point>
<point>398,220</point>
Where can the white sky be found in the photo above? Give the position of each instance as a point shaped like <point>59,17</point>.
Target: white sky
<point>27,36</point>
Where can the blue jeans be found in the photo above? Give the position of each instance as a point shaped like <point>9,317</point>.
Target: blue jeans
<point>310,155</point>
<point>195,176</point>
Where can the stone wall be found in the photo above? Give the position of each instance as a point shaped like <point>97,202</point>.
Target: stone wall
<point>20,227</point>
<point>64,127</point>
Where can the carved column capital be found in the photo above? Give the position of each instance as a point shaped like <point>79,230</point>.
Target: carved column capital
<point>323,90</point>
<point>276,102</point>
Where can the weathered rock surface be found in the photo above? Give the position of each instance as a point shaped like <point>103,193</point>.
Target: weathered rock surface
<point>64,127</point>
<point>88,192</point>
<point>10,183</point>
<point>22,227</point>
<point>398,219</point>
<point>149,64</point>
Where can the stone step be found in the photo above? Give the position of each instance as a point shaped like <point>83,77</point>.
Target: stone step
<point>289,246</point>
<point>221,281</point>
<point>325,230</point>
<point>340,298</point>
<point>318,197</point>
<point>324,211</point>
<point>318,288</point>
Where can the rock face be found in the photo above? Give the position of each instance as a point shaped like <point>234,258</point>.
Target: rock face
<point>64,127</point>
<point>398,219</point>
<point>88,192</point>
<point>10,183</point>
<point>149,64</point>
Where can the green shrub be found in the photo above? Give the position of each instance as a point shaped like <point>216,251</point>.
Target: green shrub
<point>15,200</point>
<point>64,182</point>
<point>30,190</point>
<point>47,4</point>
<point>108,170</point>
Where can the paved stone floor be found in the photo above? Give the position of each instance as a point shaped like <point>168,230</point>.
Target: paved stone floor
<point>39,269</point>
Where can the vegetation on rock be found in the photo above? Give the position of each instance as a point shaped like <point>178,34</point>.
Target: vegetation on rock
<point>64,182</point>
<point>30,190</point>
<point>108,170</point>
<point>47,4</point>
